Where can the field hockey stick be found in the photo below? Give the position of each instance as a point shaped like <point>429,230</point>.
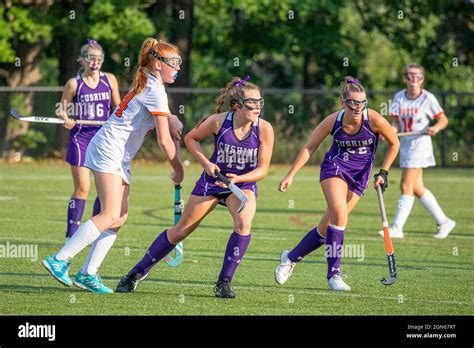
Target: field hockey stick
<point>408,134</point>
<point>235,190</point>
<point>178,210</point>
<point>388,242</point>
<point>53,120</point>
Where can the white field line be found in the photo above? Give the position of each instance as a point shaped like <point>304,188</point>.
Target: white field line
<point>315,177</point>
<point>7,198</point>
<point>33,240</point>
<point>326,293</point>
<point>262,235</point>
<point>119,249</point>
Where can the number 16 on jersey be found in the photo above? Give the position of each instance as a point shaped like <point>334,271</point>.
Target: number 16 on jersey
<point>178,210</point>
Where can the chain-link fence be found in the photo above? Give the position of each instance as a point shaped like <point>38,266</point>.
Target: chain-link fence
<point>293,112</point>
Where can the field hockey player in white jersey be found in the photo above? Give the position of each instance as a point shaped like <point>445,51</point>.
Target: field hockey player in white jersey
<point>109,156</point>
<point>412,110</point>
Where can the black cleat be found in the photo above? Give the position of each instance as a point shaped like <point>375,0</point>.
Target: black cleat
<point>129,282</point>
<point>223,289</point>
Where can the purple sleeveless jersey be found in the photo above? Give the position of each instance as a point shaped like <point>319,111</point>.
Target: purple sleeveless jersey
<point>89,104</point>
<point>351,156</point>
<point>231,156</point>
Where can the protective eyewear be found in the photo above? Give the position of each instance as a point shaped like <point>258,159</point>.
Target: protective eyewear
<point>173,62</point>
<point>251,103</point>
<point>355,104</point>
<point>413,76</point>
<point>99,58</point>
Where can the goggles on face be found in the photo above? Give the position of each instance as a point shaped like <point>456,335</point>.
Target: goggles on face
<point>355,104</point>
<point>250,103</point>
<point>99,58</point>
<point>413,76</point>
<point>173,62</point>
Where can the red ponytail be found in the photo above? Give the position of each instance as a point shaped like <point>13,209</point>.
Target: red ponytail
<point>144,61</point>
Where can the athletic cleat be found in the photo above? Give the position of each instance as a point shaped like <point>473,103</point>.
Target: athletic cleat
<point>129,282</point>
<point>59,269</point>
<point>285,269</point>
<point>223,289</point>
<point>444,229</point>
<point>395,232</point>
<point>92,283</point>
<point>336,283</point>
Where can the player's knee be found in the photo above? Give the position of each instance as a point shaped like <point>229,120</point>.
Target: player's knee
<point>419,191</point>
<point>242,226</point>
<point>339,217</point>
<point>81,192</point>
<point>123,218</point>
<point>406,188</point>
<point>178,233</point>
<point>112,219</point>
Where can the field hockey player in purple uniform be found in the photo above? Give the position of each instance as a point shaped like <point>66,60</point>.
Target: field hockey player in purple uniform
<point>344,177</point>
<point>243,149</point>
<point>91,95</point>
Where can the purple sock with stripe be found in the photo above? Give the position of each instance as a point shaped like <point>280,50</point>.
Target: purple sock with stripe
<point>312,241</point>
<point>75,211</point>
<point>157,250</point>
<point>334,242</point>
<point>97,207</point>
<point>234,253</point>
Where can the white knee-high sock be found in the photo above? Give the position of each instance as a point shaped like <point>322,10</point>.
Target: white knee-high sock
<point>99,250</point>
<point>85,235</point>
<point>405,203</point>
<point>430,203</point>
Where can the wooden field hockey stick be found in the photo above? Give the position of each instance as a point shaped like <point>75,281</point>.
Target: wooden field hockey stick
<point>388,242</point>
<point>53,120</point>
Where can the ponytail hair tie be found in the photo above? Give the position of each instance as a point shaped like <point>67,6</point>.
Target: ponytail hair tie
<point>91,42</point>
<point>242,81</point>
<point>355,81</point>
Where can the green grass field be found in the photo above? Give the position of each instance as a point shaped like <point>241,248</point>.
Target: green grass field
<point>435,276</point>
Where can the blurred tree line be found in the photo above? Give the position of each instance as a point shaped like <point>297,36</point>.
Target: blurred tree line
<point>303,45</point>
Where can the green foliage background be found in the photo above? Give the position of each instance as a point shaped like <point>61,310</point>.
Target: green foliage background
<point>285,44</point>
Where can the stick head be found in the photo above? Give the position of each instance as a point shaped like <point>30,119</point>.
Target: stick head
<point>235,190</point>
<point>242,205</point>
<point>388,281</point>
<point>14,113</point>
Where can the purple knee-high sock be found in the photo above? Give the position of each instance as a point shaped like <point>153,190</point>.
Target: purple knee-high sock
<point>75,211</point>
<point>334,241</point>
<point>308,244</point>
<point>234,253</point>
<point>157,250</point>
<point>97,206</point>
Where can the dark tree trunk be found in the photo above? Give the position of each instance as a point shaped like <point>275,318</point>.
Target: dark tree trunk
<point>69,48</point>
<point>310,69</point>
<point>183,13</point>
<point>26,73</point>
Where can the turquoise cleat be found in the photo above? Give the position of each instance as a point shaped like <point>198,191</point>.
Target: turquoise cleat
<point>92,283</point>
<point>59,269</point>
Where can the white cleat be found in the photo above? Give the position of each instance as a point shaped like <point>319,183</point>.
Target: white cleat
<point>394,231</point>
<point>285,269</point>
<point>337,284</point>
<point>444,229</point>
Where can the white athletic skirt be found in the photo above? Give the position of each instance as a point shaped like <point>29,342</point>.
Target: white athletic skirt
<point>105,159</point>
<point>416,152</point>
